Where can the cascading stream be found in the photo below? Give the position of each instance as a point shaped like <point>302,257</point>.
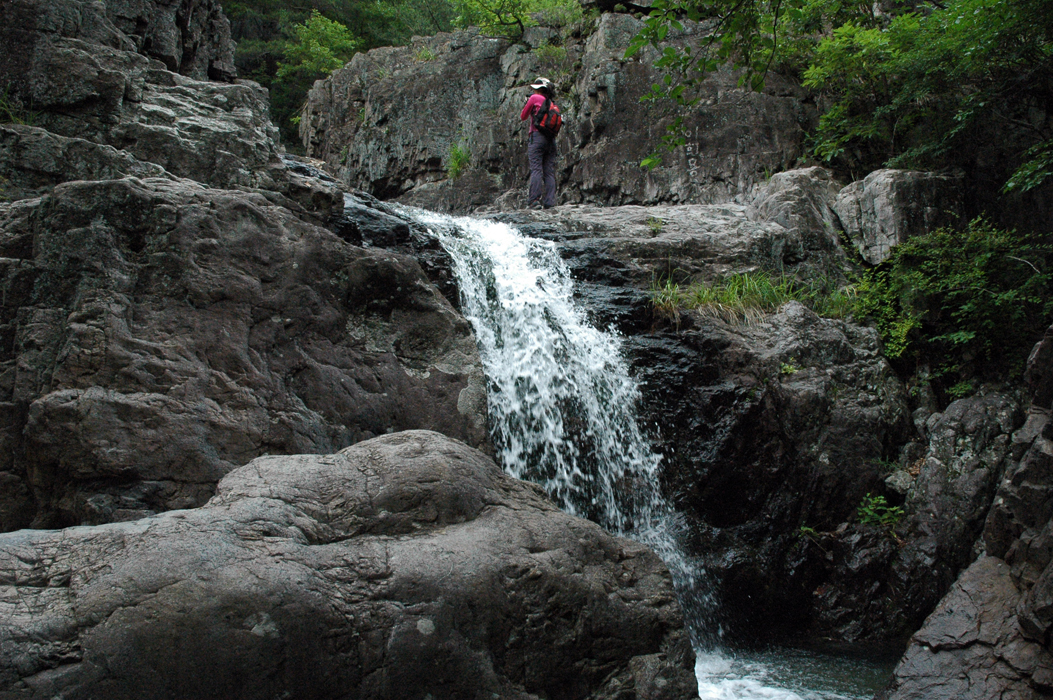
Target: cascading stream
<point>562,403</point>
<point>563,414</point>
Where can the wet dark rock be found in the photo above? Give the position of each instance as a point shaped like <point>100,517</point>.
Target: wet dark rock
<point>990,637</point>
<point>971,649</point>
<point>403,566</point>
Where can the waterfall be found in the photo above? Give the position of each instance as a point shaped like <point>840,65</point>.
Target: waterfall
<point>561,400</point>
<point>562,409</point>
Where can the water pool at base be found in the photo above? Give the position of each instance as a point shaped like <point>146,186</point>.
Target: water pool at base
<point>789,674</point>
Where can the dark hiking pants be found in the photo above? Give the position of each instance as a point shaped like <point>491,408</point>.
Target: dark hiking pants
<point>541,153</point>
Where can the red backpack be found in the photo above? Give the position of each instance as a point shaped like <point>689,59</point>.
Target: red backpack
<point>547,119</point>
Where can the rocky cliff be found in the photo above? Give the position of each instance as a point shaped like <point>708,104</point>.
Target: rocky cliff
<point>184,306</point>
<point>158,332</point>
<point>195,328</point>
<point>386,121</point>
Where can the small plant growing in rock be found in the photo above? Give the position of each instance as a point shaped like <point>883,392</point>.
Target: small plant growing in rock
<point>655,224</point>
<point>789,367</point>
<point>12,111</point>
<point>457,160</point>
<point>665,298</point>
<point>875,510</point>
<point>961,389</point>
<point>552,60</point>
<point>424,54</point>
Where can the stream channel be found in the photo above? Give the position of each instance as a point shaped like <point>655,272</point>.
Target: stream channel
<point>562,409</point>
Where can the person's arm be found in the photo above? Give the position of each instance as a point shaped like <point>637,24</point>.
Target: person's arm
<point>532,102</point>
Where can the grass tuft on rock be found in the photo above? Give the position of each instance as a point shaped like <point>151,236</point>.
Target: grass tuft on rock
<point>750,296</point>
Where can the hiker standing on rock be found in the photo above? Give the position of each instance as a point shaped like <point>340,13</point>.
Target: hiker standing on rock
<point>545,122</point>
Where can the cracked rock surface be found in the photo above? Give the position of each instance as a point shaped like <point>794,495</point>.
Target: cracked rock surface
<point>158,333</point>
<point>402,566</point>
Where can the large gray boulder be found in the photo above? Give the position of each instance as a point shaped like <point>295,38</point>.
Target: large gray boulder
<point>405,566</point>
<point>888,207</point>
<point>387,120</point>
<point>802,201</point>
<point>158,333</point>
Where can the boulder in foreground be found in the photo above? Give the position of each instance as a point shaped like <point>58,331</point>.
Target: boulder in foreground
<point>403,566</point>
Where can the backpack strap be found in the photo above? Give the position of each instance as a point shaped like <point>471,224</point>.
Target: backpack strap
<point>541,110</point>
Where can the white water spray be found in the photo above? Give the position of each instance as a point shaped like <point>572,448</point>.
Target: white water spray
<point>563,414</point>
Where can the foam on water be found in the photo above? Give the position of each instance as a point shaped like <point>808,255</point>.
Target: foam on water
<point>563,415</point>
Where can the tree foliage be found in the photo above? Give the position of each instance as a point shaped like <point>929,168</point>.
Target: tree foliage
<point>512,17</point>
<point>266,32</point>
<point>908,86</point>
<point>968,304</point>
<point>321,47</point>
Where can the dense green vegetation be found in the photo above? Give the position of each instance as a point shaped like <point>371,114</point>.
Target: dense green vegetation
<point>966,305</point>
<point>904,83</point>
<point>286,46</point>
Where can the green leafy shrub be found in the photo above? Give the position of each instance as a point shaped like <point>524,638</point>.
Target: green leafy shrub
<point>511,17</point>
<point>457,160</point>
<point>321,47</point>
<point>875,510</point>
<point>552,61</point>
<point>968,303</point>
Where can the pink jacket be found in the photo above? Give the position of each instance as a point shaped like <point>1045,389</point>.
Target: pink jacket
<point>533,104</point>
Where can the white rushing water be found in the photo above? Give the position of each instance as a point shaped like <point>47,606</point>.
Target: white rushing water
<point>563,414</point>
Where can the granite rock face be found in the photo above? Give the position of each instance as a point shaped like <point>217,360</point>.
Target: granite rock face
<point>387,120</point>
<point>407,565</point>
<point>888,207</point>
<point>159,333</point>
<point>990,637</point>
<point>140,76</point>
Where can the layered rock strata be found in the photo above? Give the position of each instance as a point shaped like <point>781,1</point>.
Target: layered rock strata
<point>407,565</point>
<point>171,306</point>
